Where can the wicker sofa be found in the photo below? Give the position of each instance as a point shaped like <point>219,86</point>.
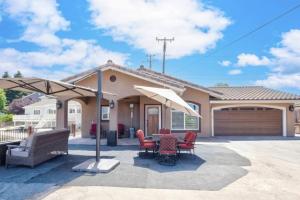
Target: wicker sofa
<point>43,146</point>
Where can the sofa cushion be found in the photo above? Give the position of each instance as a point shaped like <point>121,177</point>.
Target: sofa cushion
<point>29,141</point>
<point>19,152</point>
<point>23,144</point>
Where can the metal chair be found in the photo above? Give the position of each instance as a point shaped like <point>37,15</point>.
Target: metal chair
<point>189,143</point>
<point>164,131</point>
<point>167,150</point>
<point>145,143</point>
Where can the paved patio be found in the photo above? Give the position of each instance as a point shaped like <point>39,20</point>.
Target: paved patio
<point>262,168</point>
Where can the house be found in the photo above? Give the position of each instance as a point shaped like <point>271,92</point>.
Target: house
<point>235,111</point>
<point>42,114</point>
<point>17,105</point>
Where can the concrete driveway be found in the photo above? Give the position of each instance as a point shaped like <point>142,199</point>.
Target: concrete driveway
<point>233,168</point>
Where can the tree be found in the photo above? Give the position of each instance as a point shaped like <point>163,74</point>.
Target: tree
<point>6,75</point>
<point>18,74</point>
<point>12,94</point>
<point>2,100</point>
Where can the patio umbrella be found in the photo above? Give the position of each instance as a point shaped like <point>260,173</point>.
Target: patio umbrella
<point>58,89</point>
<point>47,87</point>
<point>168,98</point>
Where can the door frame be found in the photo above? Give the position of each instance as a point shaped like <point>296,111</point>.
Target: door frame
<point>282,108</point>
<point>159,115</point>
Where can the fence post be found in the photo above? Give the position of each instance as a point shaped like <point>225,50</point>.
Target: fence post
<point>29,130</point>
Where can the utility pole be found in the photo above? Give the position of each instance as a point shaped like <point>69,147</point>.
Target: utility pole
<point>149,59</point>
<point>165,40</point>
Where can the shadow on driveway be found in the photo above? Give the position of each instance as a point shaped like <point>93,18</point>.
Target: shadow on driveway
<point>211,168</point>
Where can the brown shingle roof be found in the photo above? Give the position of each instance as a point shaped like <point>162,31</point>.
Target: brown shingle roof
<point>222,93</point>
<point>171,79</point>
<point>254,93</point>
<point>145,73</point>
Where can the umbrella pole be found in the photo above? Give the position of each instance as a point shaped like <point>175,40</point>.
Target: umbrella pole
<point>92,165</point>
<point>99,98</point>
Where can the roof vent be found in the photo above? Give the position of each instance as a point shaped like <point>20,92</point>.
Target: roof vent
<point>109,62</point>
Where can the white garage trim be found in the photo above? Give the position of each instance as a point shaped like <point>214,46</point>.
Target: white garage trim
<point>283,109</point>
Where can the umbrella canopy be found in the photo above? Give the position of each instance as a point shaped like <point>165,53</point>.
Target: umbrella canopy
<point>167,97</point>
<point>48,87</point>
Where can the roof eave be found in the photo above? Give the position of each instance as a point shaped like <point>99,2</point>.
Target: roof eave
<point>291,101</point>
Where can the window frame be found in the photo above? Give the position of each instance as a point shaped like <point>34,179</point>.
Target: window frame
<point>105,119</point>
<point>184,125</point>
<point>37,112</point>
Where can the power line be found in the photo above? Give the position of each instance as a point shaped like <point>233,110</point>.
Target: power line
<point>257,29</point>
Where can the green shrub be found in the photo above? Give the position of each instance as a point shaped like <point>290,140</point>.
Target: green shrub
<point>6,118</point>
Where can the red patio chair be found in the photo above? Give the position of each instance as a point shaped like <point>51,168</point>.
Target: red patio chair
<point>121,130</point>
<point>167,150</point>
<point>164,131</point>
<point>189,143</point>
<point>93,130</point>
<point>186,136</point>
<point>146,144</point>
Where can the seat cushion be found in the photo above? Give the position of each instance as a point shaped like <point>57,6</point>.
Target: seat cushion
<point>29,141</point>
<point>149,145</point>
<point>149,141</point>
<point>23,144</point>
<point>19,152</point>
<point>185,146</point>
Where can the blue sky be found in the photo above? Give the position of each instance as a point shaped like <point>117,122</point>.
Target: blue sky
<point>54,39</point>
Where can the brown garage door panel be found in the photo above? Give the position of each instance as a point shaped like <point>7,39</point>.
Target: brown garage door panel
<point>266,122</point>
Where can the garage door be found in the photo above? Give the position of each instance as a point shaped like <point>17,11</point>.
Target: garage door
<point>248,122</point>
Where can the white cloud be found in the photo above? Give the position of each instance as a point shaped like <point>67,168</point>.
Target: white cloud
<point>196,27</point>
<point>245,59</point>
<point>41,20</point>
<point>58,57</point>
<point>287,55</point>
<point>285,62</point>
<point>281,81</point>
<point>76,56</point>
<point>235,72</point>
<point>225,63</point>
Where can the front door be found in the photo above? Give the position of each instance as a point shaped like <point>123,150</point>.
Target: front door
<point>152,119</point>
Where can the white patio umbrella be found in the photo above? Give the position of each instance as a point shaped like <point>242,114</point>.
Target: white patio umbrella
<point>168,98</point>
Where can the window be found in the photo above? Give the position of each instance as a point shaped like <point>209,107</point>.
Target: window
<point>36,112</point>
<point>71,110</point>
<point>105,113</point>
<point>51,111</point>
<point>246,108</point>
<point>78,110</point>
<point>182,121</point>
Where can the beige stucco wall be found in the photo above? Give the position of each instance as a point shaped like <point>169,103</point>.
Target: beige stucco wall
<point>124,87</point>
<point>290,117</point>
<point>124,113</point>
<point>201,98</point>
<point>88,115</point>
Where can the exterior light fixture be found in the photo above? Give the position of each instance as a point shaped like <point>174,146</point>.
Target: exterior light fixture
<point>291,108</point>
<point>111,104</point>
<point>58,105</point>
